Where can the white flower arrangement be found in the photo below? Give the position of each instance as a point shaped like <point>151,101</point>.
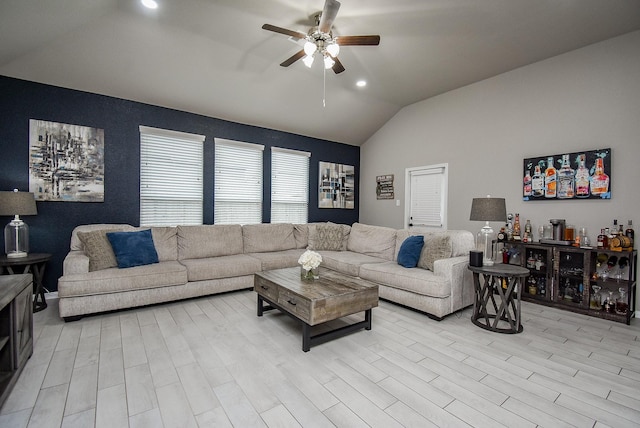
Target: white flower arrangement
<point>310,260</point>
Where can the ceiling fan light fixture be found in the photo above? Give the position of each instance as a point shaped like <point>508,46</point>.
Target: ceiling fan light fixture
<point>328,62</point>
<point>310,48</point>
<point>308,60</point>
<point>333,49</point>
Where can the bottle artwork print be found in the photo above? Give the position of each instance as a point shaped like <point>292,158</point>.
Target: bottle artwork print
<point>578,175</point>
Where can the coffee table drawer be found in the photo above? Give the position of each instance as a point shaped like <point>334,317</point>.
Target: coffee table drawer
<point>266,288</point>
<point>295,304</point>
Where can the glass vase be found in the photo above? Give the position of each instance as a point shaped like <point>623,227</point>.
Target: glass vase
<point>309,275</point>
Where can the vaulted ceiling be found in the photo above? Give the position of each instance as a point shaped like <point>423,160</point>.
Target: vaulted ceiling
<point>211,57</point>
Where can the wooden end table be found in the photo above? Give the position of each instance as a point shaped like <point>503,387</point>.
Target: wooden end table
<point>502,280</point>
<point>34,263</point>
<point>316,302</point>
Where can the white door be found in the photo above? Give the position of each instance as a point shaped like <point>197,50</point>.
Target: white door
<point>426,196</point>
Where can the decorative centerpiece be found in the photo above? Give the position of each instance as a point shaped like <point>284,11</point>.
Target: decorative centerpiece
<point>309,265</point>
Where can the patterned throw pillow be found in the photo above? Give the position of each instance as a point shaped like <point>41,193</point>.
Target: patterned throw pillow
<point>98,248</point>
<point>436,247</point>
<point>326,237</point>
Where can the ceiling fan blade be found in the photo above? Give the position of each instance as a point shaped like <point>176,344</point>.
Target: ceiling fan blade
<point>337,66</point>
<point>296,34</point>
<point>328,15</point>
<point>358,40</point>
<point>293,58</point>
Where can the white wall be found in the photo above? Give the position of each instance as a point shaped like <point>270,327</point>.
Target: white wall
<point>586,99</point>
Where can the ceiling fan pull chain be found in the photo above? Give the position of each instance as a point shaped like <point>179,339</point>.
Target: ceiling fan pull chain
<point>324,87</point>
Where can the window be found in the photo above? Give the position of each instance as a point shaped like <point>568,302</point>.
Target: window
<point>289,186</point>
<point>426,193</point>
<point>238,182</point>
<point>171,165</point>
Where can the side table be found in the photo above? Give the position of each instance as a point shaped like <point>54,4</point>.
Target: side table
<point>502,280</point>
<point>34,263</point>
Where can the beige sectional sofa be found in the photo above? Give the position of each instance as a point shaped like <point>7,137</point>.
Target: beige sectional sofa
<point>210,259</point>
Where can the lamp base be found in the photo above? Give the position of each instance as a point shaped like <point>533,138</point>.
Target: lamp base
<point>17,254</point>
<point>487,262</point>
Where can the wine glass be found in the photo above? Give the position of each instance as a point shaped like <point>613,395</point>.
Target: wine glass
<point>623,265</point>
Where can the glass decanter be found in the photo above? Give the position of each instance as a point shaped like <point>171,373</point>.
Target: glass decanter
<point>621,303</point>
<point>595,300</point>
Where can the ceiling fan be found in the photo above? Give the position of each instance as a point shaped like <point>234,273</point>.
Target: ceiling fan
<point>320,39</point>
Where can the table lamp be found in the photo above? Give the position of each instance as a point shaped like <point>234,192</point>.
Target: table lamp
<point>16,233</point>
<point>487,209</point>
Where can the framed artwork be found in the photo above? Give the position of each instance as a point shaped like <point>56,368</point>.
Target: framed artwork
<point>66,162</point>
<point>337,186</point>
<point>578,175</point>
<point>384,186</point>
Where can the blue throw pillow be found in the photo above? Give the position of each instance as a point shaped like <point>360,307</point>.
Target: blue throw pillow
<point>409,253</point>
<point>133,248</point>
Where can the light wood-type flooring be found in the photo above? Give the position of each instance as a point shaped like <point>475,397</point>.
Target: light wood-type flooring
<point>211,362</point>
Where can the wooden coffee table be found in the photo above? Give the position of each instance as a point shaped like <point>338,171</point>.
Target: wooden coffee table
<point>316,302</point>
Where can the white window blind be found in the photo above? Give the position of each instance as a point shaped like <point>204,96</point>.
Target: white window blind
<point>238,182</point>
<point>428,196</point>
<point>289,186</point>
<point>171,167</point>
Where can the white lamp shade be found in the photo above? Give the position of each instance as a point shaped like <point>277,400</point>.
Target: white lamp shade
<point>333,49</point>
<point>310,48</point>
<point>328,62</point>
<point>308,60</point>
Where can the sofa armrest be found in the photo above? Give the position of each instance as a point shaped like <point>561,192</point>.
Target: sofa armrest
<point>455,269</point>
<point>75,262</point>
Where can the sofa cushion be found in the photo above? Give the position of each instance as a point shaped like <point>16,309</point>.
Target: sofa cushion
<point>410,250</point>
<point>301,235</point>
<point>116,280</point>
<point>436,246</point>
<point>347,262</point>
<point>417,280</point>
<point>327,236</point>
<point>198,242</point>
<point>97,246</point>
<point>133,248</point>
<point>376,241</point>
<point>262,238</point>
<point>166,241</point>
<point>278,259</point>
<point>221,267</point>
<point>76,243</point>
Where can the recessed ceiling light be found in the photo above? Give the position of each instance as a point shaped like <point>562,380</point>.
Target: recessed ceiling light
<point>361,83</point>
<point>151,4</point>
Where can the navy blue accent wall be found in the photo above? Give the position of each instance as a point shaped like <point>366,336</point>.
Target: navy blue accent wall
<point>50,230</point>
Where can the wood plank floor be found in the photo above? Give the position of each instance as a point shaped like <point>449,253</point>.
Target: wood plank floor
<point>211,362</point>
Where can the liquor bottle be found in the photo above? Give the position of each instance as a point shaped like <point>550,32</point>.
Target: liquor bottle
<point>608,234</point>
<point>603,240</point>
<point>582,179</point>
<point>629,233</point>
<point>566,180</point>
<point>537,183</point>
<point>599,180</point>
<point>550,177</point>
<point>614,229</point>
<point>527,184</point>
<point>516,228</point>
<point>527,232</point>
